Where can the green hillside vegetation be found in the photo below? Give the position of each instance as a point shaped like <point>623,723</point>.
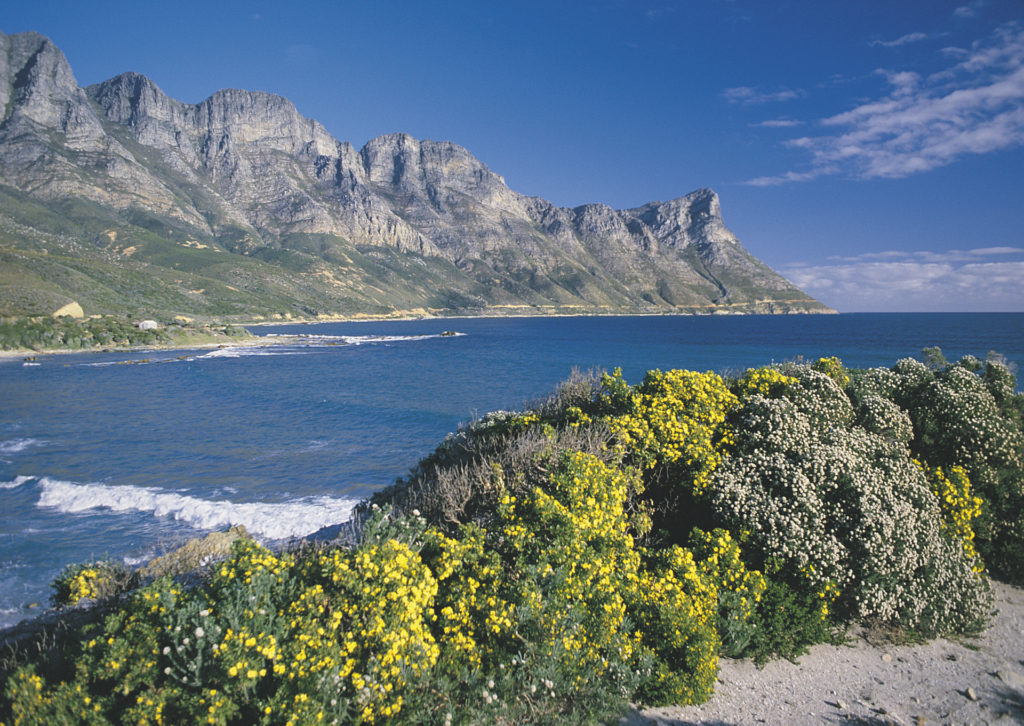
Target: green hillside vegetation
<point>142,264</point>
<point>136,264</point>
<point>66,333</point>
<point>606,545</point>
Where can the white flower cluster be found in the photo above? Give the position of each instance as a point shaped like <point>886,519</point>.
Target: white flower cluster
<point>881,416</point>
<point>821,399</point>
<point>839,504</point>
<point>967,421</point>
<point>999,380</point>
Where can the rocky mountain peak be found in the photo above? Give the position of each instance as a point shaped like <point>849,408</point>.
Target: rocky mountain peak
<point>696,217</point>
<point>37,83</point>
<point>242,194</point>
<point>439,175</point>
<point>133,100</point>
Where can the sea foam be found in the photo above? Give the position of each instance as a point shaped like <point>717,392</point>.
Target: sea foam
<point>297,518</point>
<point>364,339</point>
<point>13,446</point>
<point>16,482</point>
<point>247,351</point>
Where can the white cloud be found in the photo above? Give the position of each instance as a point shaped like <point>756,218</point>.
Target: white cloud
<point>778,123</point>
<point>945,281</point>
<point>948,256</point>
<point>973,107</point>
<point>969,10</point>
<point>902,40</point>
<point>750,96</point>
<point>789,176</point>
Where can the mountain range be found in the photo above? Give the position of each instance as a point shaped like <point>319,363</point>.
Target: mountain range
<point>124,200</point>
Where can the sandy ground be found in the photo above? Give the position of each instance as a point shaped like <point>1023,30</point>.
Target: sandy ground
<point>966,681</point>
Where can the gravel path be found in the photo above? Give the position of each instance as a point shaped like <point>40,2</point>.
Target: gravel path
<point>966,681</point>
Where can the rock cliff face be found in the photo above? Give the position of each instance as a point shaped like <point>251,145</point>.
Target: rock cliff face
<point>126,199</point>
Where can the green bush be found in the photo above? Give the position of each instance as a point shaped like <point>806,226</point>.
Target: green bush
<point>90,582</point>
<point>786,621</point>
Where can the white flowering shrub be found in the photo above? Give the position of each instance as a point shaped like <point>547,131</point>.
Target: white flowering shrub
<point>999,381</point>
<point>842,510</point>
<point>963,415</point>
<point>820,398</point>
<point>881,416</point>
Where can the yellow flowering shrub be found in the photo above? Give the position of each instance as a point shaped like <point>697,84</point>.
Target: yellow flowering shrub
<point>959,506</point>
<point>361,626</point>
<point>588,565</point>
<point>766,381</point>
<point>739,589</point>
<point>328,634</point>
<point>574,540</point>
<point>90,581</point>
<point>833,368</point>
<point>471,615</point>
<point>674,606</point>
<point>676,418</point>
<point>33,703</point>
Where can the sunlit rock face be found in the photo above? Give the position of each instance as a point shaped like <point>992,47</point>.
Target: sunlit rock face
<point>245,173</point>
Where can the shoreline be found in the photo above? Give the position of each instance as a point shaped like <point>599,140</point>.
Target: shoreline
<point>254,342</point>
<point>261,341</point>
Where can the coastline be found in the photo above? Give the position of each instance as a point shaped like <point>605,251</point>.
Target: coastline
<point>253,342</point>
<point>397,316</point>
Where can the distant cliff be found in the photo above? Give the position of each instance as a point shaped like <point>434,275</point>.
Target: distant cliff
<point>126,200</point>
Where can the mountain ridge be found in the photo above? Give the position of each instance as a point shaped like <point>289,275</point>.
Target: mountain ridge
<point>124,199</point>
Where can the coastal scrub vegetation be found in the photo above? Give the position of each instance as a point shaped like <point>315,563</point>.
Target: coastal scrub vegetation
<point>605,546</point>
<point>67,333</point>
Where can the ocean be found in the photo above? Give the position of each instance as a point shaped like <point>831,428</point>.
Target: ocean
<point>125,455</point>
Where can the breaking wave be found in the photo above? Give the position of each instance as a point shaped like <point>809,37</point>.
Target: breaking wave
<point>16,482</point>
<point>285,520</point>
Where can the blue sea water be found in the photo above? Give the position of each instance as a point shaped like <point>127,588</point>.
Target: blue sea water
<point>124,461</point>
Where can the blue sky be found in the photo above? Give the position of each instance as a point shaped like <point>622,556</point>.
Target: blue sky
<point>873,152</point>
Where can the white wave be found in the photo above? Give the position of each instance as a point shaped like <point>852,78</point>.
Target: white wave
<point>307,338</point>
<point>321,340</point>
<point>16,482</point>
<point>247,351</point>
<point>297,518</point>
<point>363,339</point>
<point>13,446</point>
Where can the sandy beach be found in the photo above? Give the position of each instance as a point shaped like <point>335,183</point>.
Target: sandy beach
<point>963,681</point>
